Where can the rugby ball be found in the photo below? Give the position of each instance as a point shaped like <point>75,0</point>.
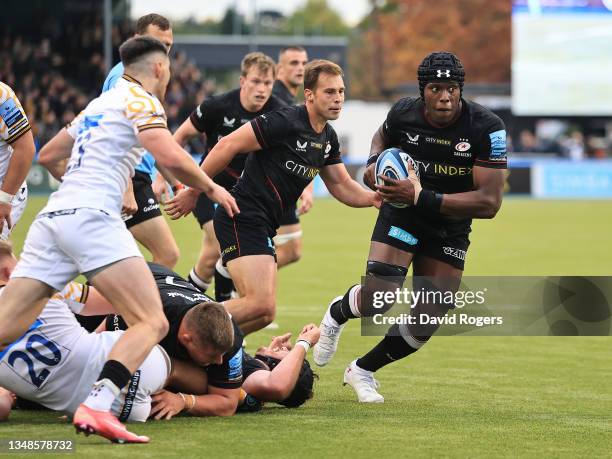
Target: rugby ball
<point>393,163</point>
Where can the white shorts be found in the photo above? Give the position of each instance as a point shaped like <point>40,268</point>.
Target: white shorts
<point>61,245</point>
<point>134,403</point>
<point>19,204</point>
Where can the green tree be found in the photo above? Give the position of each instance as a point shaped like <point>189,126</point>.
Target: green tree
<point>315,18</point>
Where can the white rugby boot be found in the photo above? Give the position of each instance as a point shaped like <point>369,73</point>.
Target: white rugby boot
<point>363,383</point>
<point>325,349</point>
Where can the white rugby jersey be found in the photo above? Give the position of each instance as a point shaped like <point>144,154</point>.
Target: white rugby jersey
<point>56,361</point>
<point>106,147</point>
<point>13,124</point>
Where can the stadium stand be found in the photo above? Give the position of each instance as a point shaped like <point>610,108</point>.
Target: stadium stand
<point>54,86</point>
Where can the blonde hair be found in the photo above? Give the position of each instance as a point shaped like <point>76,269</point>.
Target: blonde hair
<point>259,60</point>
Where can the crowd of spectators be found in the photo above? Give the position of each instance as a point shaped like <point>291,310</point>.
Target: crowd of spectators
<point>571,144</point>
<point>55,77</point>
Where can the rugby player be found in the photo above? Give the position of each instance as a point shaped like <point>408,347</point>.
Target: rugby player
<point>16,153</point>
<point>56,361</point>
<point>80,229</point>
<point>209,365</point>
<point>460,149</point>
<point>140,208</point>
<point>278,373</point>
<point>207,381</point>
<point>217,117</point>
<point>290,76</point>
<point>291,146</point>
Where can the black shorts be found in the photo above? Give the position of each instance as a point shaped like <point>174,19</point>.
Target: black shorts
<point>290,216</point>
<point>242,235</point>
<point>148,206</point>
<point>204,210</point>
<point>394,229</point>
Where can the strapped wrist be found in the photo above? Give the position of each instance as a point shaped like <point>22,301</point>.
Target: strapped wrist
<point>184,401</point>
<point>430,200</point>
<point>372,159</point>
<point>6,198</point>
<point>304,343</point>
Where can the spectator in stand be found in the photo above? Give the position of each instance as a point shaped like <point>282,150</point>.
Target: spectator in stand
<point>527,143</point>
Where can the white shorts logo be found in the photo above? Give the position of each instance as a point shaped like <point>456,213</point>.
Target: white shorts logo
<point>457,253</point>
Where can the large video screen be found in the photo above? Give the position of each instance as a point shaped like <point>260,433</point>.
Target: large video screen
<point>562,57</point>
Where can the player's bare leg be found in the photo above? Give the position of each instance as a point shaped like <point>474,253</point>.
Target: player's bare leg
<point>202,273</point>
<point>7,401</point>
<point>381,257</point>
<point>403,340</point>
<point>21,302</point>
<point>255,279</point>
<point>288,244</point>
<point>156,236</point>
<point>129,286</point>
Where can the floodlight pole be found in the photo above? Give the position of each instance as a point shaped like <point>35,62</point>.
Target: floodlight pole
<point>108,32</point>
<point>255,27</point>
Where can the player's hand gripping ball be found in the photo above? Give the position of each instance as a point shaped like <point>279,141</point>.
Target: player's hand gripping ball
<point>395,163</point>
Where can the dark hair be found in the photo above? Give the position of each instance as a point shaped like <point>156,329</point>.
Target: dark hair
<point>133,49</point>
<point>151,19</point>
<point>290,48</point>
<point>302,391</point>
<point>212,325</point>
<point>440,66</point>
<point>315,68</point>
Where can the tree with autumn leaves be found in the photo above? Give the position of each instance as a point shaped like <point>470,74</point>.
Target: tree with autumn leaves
<point>391,41</point>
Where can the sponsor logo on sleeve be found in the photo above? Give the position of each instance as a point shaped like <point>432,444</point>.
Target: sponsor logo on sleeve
<point>12,115</point>
<point>498,146</point>
<point>235,367</point>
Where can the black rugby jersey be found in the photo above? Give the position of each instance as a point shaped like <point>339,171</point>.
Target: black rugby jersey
<point>179,296</point>
<point>291,156</point>
<point>220,115</point>
<point>281,92</point>
<point>251,364</point>
<point>446,156</point>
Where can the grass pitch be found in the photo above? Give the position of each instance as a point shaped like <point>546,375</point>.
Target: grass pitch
<point>459,396</point>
